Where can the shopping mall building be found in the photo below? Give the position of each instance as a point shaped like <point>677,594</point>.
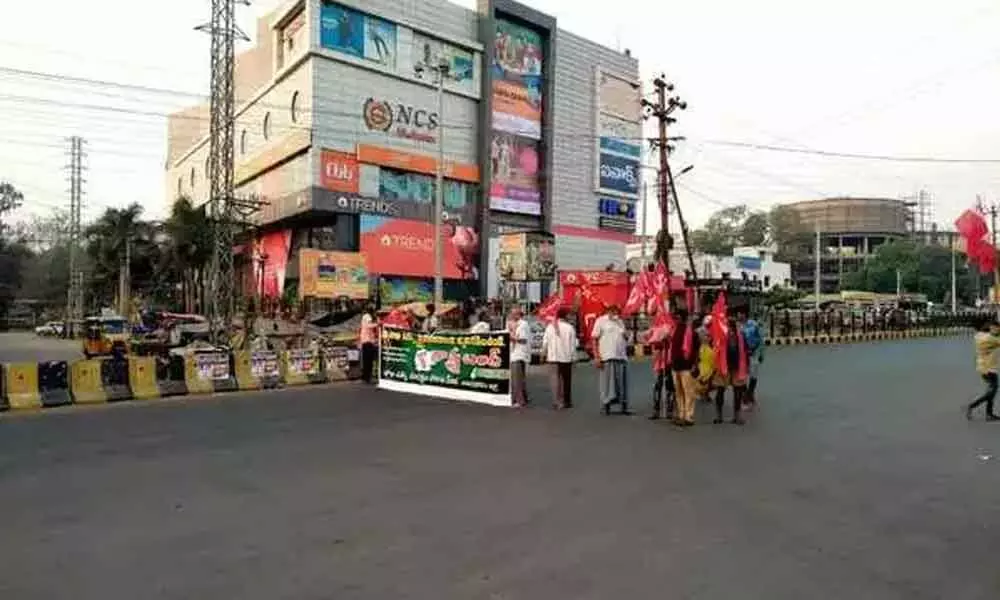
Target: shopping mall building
<point>339,126</point>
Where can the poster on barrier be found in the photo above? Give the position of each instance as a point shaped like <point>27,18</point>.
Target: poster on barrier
<point>303,362</point>
<point>338,360</point>
<point>264,365</point>
<point>454,365</point>
<point>212,366</point>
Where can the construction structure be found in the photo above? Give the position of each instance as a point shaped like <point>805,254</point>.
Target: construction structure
<point>74,296</point>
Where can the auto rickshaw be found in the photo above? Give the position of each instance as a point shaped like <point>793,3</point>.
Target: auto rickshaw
<point>106,335</point>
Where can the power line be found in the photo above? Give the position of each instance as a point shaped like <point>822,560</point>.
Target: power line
<point>853,156</point>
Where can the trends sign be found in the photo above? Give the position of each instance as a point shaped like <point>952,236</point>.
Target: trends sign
<point>331,201</point>
<point>400,119</point>
<point>618,175</point>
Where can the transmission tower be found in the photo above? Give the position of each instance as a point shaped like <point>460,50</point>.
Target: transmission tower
<point>224,32</point>
<point>74,296</point>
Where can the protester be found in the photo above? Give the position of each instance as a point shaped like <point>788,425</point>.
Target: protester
<point>431,322</point>
<point>520,356</point>
<point>732,364</point>
<point>684,347</point>
<point>755,347</point>
<point>368,338</point>
<point>611,359</point>
<point>706,363</point>
<point>663,380</point>
<point>559,345</point>
<point>987,342</point>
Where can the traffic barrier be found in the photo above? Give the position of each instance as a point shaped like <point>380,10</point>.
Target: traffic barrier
<point>114,378</point>
<point>301,367</point>
<point>142,377</point>
<point>203,369</point>
<point>341,363</point>
<point>85,382</point>
<point>4,405</point>
<point>257,370</point>
<point>21,386</point>
<point>53,383</point>
<point>171,375</point>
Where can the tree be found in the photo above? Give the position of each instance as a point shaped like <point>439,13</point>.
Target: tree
<point>755,229</point>
<point>46,270</point>
<point>922,269</point>
<point>787,232</point>
<point>190,250</point>
<point>721,232</point>
<point>125,255</point>
<point>12,253</point>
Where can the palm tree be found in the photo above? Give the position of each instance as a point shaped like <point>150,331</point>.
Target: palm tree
<point>190,248</point>
<point>115,242</point>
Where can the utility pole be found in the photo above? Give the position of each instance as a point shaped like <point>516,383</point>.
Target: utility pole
<point>224,32</point>
<point>74,295</point>
<point>442,68</point>
<point>817,285</point>
<point>996,268</point>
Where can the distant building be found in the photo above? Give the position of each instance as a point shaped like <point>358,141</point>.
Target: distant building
<point>752,263</point>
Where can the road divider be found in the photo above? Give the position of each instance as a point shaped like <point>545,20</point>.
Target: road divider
<point>25,386</point>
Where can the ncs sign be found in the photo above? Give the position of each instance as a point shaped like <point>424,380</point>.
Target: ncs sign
<point>400,119</point>
<point>339,172</point>
<point>619,175</point>
<point>403,247</point>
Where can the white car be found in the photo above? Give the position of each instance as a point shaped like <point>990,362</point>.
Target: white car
<point>50,329</point>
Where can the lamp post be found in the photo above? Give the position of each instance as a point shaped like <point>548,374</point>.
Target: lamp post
<point>441,67</point>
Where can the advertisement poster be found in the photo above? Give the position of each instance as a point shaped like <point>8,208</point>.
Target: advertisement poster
<point>264,365</point>
<point>303,362</point>
<point>517,80</point>
<point>461,64</point>
<point>271,251</point>
<point>617,214</point>
<point>619,137</point>
<point>341,363</point>
<point>346,30</point>
<point>529,256</point>
<point>619,174</point>
<point>419,188</point>
<point>404,247</point>
<point>212,366</point>
<point>515,186</point>
<point>457,366</point>
<point>329,274</point>
<point>400,290</point>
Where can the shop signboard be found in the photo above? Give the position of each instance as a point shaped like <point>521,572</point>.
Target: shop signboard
<point>618,175</point>
<point>212,366</point>
<point>404,247</point>
<point>457,366</point>
<point>325,200</point>
<point>329,274</point>
<point>339,171</point>
<point>400,119</point>
<point>619,137</point>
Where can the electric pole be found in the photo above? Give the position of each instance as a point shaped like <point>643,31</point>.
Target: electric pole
<point>996,267</point>
<point>661,109</point>
<point>74,295</point>
<point>224,32</point>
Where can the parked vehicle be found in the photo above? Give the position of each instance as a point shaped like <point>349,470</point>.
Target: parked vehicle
<point>106,335</point>
<point>50,329</point>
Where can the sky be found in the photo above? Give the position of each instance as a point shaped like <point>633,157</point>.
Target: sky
<point>893,78</point>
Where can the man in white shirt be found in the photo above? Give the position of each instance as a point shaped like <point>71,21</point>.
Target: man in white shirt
<point>611,358</point>
<point>431,323</point>
<point>520,356</point>
<point>559,345</point>
<point>482,324</point>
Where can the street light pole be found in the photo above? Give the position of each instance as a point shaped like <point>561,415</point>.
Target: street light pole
<point>441,68</point>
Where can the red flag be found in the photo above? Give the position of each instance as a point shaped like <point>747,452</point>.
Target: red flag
<point>638,294</point>
<point>718,330</point>
<point>982,254</point>
<point>397,318</point>
<point>591,307</point>
<point>546,311</point>
<point>971,225</point>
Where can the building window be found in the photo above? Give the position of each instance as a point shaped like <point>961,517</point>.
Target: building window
<point>267,126</point>
<point>243,142</point>
<point>193,178</point>
<point>295,107</point>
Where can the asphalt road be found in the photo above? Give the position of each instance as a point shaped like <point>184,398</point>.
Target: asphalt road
<point>858,478</point>
<point>28,347</point>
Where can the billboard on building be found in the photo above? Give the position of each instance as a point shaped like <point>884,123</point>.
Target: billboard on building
<point>527,256</point>
<point>518,103</point>
<point>345,30</point>
<point>271,262</point>
<point>619,149</point>
<point>618,175</point>
<point>327,274</point>
<point>339,172</point>
<point>405,247</point>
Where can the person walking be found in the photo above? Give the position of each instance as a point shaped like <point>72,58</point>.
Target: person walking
<point>368,339</point>
<point>663,379</point>
<point>732,364</point>
<point>684,349</point>
<point>755,348</point>
<point>520,356</point>
<point>987,342</point>
<point>559,346</point>
<point>611,359</point>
